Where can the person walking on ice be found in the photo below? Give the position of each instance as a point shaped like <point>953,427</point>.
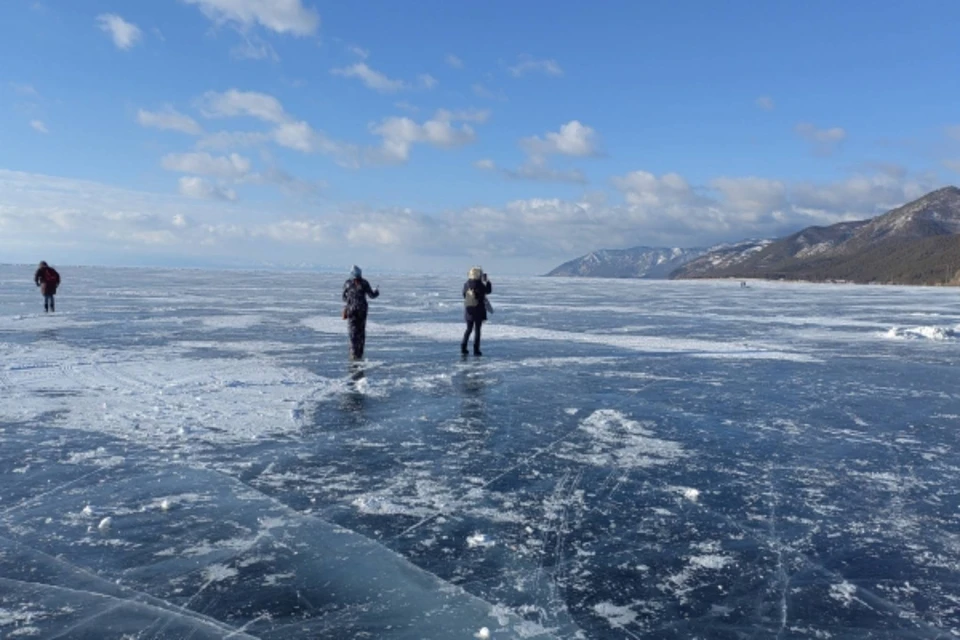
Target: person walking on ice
<point>475,292</point>
<point>355,292</point>
<point>48,280</point>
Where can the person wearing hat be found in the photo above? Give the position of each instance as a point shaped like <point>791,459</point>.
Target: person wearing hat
<point>475,291</point>
<point>47,278</point>
<point>355,292</point>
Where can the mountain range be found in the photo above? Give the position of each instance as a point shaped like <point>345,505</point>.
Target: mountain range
<point>917,243</point>
<point>638,262</point>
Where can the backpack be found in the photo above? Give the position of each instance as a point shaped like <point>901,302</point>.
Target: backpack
<point>470,299</point>
<point>356,298</point>
<point>51,277</point>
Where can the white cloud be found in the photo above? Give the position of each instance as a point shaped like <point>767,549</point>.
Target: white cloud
<point>536,169</point>
<point>663,210</point>
<point>427,81</point>
<point>824,141</point>
<point>766,103</point>
<point>234,103</point>
<point>400,134</point>
<point>125,35</point>
<point>280,16</point>
<point>169,119</point>
<point>360,52</point>
<point>751,194</point>
<point>194,187</point>
<point>371,78</point>
<point>573,139</point>
<point>38,125</point>
<point>254,48</point>
<point>453,61</point>
<point>528,64</point>
<point>647,190</point>
<point>232,167</point>
<point>287,132</point>
<point>227,140</point>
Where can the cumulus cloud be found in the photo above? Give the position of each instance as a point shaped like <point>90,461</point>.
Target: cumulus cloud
<point>38,125</point>
<point>766,103</point>
<point>823,141</point>
<point>400,134</point>
<point>658,210</point>
<point>194,187</point>
<point>124,34</point>
<point>371,78</point>
<point>232,167</point>
<point>169,119</point>
<point>453,61</point>
<point>280,16</point>
<point>573,139</point>
<point>528,64</point>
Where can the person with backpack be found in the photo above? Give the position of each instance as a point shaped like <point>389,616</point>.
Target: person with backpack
<point>48,280</point>
<point>355,292</point>
<point>475,292</point>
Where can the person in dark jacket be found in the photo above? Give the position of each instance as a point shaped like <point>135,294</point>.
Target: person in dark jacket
<point>47,278</point>
<point>475,291</point>
<point>355,292</point>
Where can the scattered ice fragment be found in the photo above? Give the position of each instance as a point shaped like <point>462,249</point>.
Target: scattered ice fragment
<point>88,511</point>
<point>691,494</point>
<point>165,504</point>
<point>105,523</point>
<point>483,634</point>
<point>479,540</point>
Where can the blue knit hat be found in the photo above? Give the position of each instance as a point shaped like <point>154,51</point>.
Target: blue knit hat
<point>355,272</point>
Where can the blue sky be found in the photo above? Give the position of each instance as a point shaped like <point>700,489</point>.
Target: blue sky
<point>426,136</point>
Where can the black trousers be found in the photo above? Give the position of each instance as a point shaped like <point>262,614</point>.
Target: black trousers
<point>471,325</point>
<point>357,327</point>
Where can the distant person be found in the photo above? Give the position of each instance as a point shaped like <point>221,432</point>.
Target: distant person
<point>48,280</point>
<point>355,292</point>
<point>475,292</point>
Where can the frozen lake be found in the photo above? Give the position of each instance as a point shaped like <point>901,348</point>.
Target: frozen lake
<point>188,454</point>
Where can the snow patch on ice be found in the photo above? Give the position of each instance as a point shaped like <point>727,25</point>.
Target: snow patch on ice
<point>619,442</point>
<point>616,616</point>
<point>929,332</point>
<point>479,540</point>
<point>232,322</point>
<point>453,332</point>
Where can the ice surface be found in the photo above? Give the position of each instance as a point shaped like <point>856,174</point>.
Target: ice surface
<point>629,459</point>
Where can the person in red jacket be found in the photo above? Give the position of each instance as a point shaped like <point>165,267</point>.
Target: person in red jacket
<point>48,280</point>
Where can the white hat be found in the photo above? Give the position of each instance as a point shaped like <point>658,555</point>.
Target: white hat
<point>475,273</point>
